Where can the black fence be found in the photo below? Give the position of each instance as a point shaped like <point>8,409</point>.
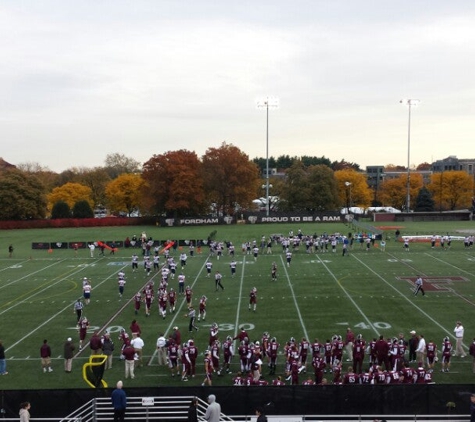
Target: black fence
<point>374,400</point>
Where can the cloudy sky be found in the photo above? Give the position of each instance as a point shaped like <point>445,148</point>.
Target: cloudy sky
<point>82,79</point>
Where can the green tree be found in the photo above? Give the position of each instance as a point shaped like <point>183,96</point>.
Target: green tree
<point>22,196</point>
<point>60,210</point>
<point>424,200</point>
<point>322,187</point>
<point>82,209</point>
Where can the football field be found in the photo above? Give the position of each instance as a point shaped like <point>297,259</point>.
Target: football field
<point>319,295</point>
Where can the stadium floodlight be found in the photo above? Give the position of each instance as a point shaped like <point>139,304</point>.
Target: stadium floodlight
<point>409,103</point>
<point>266,103</point>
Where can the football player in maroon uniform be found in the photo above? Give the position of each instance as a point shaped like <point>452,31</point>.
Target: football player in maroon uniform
<point>278,381</point>
<point>137,302</point>
<point>185,362</point>
<point>407,374</point>
<point>213,333</point>
<point>253,299</point>
<point>228,353</point>
<point>308,381</point>
<point>318,363</point>
<point>83,326</point>
<point>431,350</point>
<point>172,299</point>
<point>239,380</point>
<point>393,377</point>
<point>273,272</point>
<point>208,369</point>
<point>316,348</point>
<point>351,377</point>
<point>420,375</point>
<point>162,303</point>
<point>243,356</point>
<point>192,354</point>
<point>327,350</point>
<point>372,352</point>
<point>202,308</point>
<point>215,348</point>
<point>294,372</point>
<point>304,347</point>
<point>188,295</point>
<point>172,354</point>
<point>242,336</point>
<point>367,378</point>
<point>382,352</point>
<point>446,353</point>
<point>273,351</point>
<point>148,294</point>
<point>358,354</point>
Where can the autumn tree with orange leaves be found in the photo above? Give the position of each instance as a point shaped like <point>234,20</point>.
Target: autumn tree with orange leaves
<point>393,192</point>
<point>230,178</point>
<point>125,193</point>
<point>174,184</point>
<point>451,190</point>
<point>357,193</point>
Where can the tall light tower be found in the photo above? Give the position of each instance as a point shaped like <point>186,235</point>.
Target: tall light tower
<point>266,103</point>
<point>409,103</point>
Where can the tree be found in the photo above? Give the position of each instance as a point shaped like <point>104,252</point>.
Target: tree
<point>117,164</point>
<point>60,210</point>
<point>174,184</point>
<point>125,193</point>
<point>312,188</point>
<point>357,192</point>
<point>96,179</point>
<point>70,193</point>
<point>393,192</point>
<point>230,178</point>
<point>424,200</point>
<point>22,196</point>
<point>424,166</point>
<point>82,209</point>
<point>452,189</point>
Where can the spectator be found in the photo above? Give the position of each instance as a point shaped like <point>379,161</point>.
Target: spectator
<point>68,355</point>
<point>213,412</point>
<point>119,402</point>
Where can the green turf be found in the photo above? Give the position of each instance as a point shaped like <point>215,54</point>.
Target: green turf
<point>318,296</point>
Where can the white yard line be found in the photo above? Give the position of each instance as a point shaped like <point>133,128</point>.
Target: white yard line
<point>448,332</point>
<point>29,275</point>
<point>236,325</point>
<point>284,265</point>
<point>450,265</point>
<point>349,296</point>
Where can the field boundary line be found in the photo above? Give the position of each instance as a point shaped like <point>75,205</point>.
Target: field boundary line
<point>294,298</point>
<point>31,274</point>
<point>349,297</point>
<point>407,299</point>
<point>450,265</point>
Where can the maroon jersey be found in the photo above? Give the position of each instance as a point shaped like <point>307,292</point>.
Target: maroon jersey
<point>253,296</point>
<point>188,294</point>
<point>420,375</point>
<point>239,381</point>
<point>83,326</point>
<point>408,375</point>
<point>431,350</point>
<point>366,378</point>
<point>173,354</point>
<point>304,348</point>
<point>447,349</point>
<point>128,352</point>
<point>393,377</point>
<point>278,382</point>
<point>172,297</point>
<point>308,382</point>
<point>351,378</point>
<point>213,334</point>
<point>208,366</point>
<point>202,304</point>
<point>380,377</point>
<point>137,300</point>
<point>317,348</point>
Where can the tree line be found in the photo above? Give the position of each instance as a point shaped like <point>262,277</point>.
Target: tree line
<point>224,180</point>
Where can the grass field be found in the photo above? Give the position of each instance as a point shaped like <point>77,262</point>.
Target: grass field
<point>319,295</point>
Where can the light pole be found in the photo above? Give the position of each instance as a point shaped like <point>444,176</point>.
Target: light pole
<point>348,197</point>
<point>410,103</point>
<point>266,103</point>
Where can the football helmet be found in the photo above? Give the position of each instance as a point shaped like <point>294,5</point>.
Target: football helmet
<point>214,325</point>
<point>191,342</point>
<point>266,334</point>
<point>401,342</point>
<point>446,339</point>
<point>229,338</point>
<point>334,337</point>
<point>292,339</point>
<point>340,338</point>
<point>257,343</point>
<point>359,336</point>
<point>207,352</point>
<point>273,339</point>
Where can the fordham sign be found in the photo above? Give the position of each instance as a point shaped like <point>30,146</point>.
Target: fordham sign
<point>329,217</point>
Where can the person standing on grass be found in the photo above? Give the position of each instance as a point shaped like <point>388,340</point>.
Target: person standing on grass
<point>78,307</point>
<point>3,361</point>
<point>217,280</point>
<point>45,354</point>
<point>419,286</point>
<point>119,402</point>
<point>25,411</point>
<point>458,331</point>
<point>68,355</point>
<point>107,349</point>
<point>10,251</point>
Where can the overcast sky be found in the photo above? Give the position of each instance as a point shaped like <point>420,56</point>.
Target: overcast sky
<point>82,79</point>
